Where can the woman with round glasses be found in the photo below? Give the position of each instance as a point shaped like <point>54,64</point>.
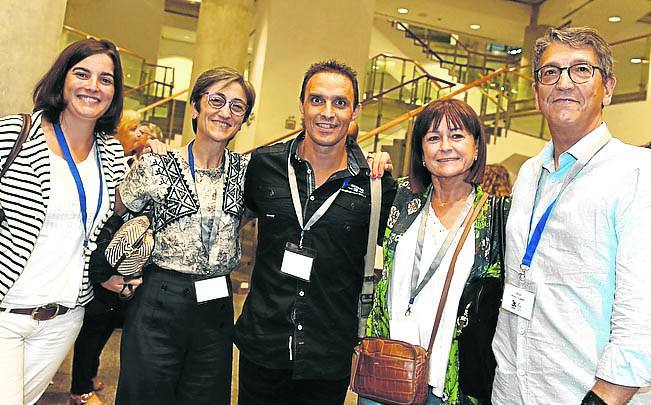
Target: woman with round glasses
<point>178,333</point>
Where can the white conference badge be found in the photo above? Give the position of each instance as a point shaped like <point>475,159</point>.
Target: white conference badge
<point>297,261</point>
<point>518,301</point>
<point>211,289</point>
<point>405,328</point>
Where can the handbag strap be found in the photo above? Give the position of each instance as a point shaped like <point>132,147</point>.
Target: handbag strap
<point>448,278</point>
<point>366,296</point>
<point>24,131</point>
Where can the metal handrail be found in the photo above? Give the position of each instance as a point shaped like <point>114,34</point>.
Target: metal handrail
<point>420,67</point>
<point>412,113</point>
<point>162,101</point>
<point>496,58</point>
<point>623,41</point>
<point>140,87</point>
<point>87,35</point>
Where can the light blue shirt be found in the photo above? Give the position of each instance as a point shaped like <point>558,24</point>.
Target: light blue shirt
<point>591,274</point>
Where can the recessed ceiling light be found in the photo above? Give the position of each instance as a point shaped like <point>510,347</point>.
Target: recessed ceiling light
<point>614,18</point>
<point>475,26</point>
<point>636,60</point>
<point>402,10</point>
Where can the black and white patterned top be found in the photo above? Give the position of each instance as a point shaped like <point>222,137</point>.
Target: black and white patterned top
<point>183,209</point>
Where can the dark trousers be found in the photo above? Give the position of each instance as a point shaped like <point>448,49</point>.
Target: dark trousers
<point>263,386</point>
<point>102,316</point>
<point>174,350</point>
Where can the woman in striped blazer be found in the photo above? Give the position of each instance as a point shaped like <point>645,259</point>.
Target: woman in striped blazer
<point>56,195</point>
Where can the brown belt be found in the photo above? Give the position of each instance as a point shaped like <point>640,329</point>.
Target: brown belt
<point>42,313</point>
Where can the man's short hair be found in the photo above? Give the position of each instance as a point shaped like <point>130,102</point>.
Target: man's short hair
<point>576,37</point>
<point>332,66</point>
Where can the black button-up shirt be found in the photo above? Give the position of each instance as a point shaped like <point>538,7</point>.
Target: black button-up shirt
<point>286,323</point>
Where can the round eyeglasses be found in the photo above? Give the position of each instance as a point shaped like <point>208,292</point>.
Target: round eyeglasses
<point>218,100</point>
<point>579,73</point>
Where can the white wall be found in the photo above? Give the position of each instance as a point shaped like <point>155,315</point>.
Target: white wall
<point>178,55</point>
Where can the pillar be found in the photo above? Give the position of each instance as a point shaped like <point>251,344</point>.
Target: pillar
<point>29,42</point>
<point>531,33</point>
<point>222,40</point>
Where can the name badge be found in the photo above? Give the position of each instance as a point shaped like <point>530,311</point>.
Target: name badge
<point>297,262</point>
<point>518,301</point>
<point>405,328</point>
<point>211,289</point>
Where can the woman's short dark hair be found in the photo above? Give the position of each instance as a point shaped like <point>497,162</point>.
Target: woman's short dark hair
<point>48,93</point>
<point>458,115</point>
<point>221,74</point>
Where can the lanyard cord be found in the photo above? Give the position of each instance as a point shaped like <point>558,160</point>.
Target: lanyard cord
<point>81,193</point>
<point>416,287</point>
<point>533,242</point>
<point>298,208</point>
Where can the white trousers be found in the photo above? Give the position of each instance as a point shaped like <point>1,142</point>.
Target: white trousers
<point>31,352</point>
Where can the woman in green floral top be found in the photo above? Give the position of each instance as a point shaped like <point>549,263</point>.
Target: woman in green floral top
<point>448,160</point>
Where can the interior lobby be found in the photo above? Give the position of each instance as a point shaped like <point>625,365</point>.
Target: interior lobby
<point>406,53</point>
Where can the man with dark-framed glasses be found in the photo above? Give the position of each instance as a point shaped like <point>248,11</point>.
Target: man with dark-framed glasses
<point>574,324</point>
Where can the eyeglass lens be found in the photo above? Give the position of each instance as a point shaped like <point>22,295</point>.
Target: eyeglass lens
<point>218,100</point>
<point>579,73</point>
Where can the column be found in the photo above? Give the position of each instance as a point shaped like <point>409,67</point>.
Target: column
<point>222,40</point>
<point>29,42</point>
<point>531,34</point>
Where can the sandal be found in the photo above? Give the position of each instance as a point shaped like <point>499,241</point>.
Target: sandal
<point>86,399</point>
<point>98,385</point>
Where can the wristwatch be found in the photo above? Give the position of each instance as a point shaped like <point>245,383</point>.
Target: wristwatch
<point>592,399</point>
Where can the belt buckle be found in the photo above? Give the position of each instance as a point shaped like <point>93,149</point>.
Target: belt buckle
<point>41,314</point>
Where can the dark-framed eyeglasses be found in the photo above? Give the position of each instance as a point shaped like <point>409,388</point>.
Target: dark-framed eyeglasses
<point>579,73</point>
<point>218,100</point>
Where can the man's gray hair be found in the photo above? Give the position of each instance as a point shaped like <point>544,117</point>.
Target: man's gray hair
<point>576,37</point>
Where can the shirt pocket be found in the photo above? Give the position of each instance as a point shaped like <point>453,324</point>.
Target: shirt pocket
<point>350,213</point>
<point>275,204</point>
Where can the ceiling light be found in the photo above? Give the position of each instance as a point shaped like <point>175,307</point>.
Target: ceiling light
<point>402,10</point>
<point>475,26</point>
<point>636,61</point>
<point>614,18</point>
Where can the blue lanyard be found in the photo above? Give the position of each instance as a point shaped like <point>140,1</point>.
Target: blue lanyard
<point>532,245</point>
<point>81,193</point>
<point>191,159</point>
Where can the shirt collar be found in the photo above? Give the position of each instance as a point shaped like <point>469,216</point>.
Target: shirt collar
<point>575,152</point>
<point>356,161</point>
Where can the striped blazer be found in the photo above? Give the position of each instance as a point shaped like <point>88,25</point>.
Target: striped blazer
<point>24,195</point>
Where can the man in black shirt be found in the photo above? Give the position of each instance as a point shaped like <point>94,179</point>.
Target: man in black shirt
<point>311,196</point>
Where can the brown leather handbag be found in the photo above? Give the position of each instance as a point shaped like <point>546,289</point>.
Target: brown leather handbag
<point>394,372</point>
